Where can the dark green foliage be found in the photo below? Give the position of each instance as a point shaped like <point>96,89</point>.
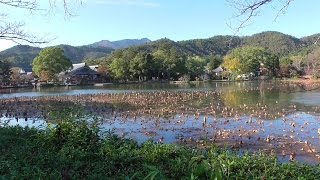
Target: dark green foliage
<point>275,42</point>
<point>249,59</point>
<point>217,45</point>
<point>165,51</point>
<point>120,44</point>
<point>161,59</point>
<point>22,55</point>
<point>50,62</point>
<point>196,66</point>
<point>81,53</point>
<point>214,62</point>
<point>5,71</point>
<point>75,148</point>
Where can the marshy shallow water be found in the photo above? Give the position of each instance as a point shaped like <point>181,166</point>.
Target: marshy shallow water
<point>269,116</point>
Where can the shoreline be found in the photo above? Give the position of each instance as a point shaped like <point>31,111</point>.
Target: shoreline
<point>300,81</point>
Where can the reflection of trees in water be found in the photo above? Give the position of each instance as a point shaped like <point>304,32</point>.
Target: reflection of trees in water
<point>236,98</point>
<point>265,93</point>
<point>291,87</point>
<point>276,97</point>
<point>245,97</point>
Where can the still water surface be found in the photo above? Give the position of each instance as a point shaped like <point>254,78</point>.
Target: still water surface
<point>267,116</point>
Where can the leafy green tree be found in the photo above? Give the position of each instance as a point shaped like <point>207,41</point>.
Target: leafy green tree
<point>248,59</point>
<point>50,62</point>
<point>175,64</point>
<point>159,57</point>
<point>285,61</point>
<point>270,62</point>
<point>195,66</point>
<point>285,67</point>
<point>5,71</point>
<point>120,68</point>
<point>138,66</point>
<point>151,65</point>
<point>213,62</point>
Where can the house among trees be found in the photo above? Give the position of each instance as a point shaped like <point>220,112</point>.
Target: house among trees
<point>218,71</point>
<point>81,74</point>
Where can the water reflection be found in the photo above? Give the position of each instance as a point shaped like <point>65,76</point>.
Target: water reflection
<point>268,116</point>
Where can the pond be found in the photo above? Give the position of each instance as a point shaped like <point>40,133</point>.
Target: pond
<point>253,116</point>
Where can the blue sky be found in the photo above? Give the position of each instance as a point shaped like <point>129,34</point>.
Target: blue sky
<point>154,19</point>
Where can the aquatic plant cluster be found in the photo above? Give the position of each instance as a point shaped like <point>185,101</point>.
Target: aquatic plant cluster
<point>78,149</point>
<point>248,132</point>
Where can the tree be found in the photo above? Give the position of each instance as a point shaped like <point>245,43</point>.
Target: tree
<point>313,62</point>
<point>214,62</point>
<point>15,74</point>
<point>248,59</point>
<point>159,58</point>
<point>150,66</point>
<point>14,30</point>
<point>50,62</point>
<point>270,62</point>
<point>120,68</point>
<point>175,63</point>
<point>104,72</point>
<point>5,71</point>
<point>297,61</point>
<point>195,66</point>
<point>138,66</point>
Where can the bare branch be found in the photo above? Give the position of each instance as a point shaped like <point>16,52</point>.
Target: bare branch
<point>250,8</point>
<point>283,9</point>
<point>13,31</point>
<point>21,4</point>
<point>66,5</point>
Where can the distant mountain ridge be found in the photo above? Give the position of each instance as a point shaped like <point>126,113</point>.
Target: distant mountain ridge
<point>275,42</point>
<point>23,55</point>
<point>120,44</point>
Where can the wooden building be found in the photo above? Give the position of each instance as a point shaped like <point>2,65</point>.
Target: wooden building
<point>81,74</point>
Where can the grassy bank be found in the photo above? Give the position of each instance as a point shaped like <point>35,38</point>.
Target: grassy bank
<point>75,149</point>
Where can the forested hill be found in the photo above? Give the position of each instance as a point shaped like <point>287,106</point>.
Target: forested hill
<point>23,55</point>
<point>121,44</point>
<point>217,45</point>
<point>311,40</point>
<point>275,42</point>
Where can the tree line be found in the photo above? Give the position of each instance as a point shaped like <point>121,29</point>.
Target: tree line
<point>168,61</point>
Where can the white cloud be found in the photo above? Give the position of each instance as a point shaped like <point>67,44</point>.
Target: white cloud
<point>143,3</point>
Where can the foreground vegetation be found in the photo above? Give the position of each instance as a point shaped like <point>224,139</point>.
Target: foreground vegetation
<point>77,149</point>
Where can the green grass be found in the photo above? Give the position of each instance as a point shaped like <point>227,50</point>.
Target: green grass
<point>75,149</point>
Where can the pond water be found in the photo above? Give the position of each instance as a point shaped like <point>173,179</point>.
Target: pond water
<point>250,116</point>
